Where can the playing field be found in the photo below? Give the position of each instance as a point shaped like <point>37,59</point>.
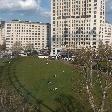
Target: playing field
<point>45,79</point>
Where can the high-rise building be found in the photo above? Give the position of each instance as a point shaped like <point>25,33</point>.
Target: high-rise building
<point>108,33</point>
<point>2,37</point>
<point>76,24</point>
<point>33,33</point>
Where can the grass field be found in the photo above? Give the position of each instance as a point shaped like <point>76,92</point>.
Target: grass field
<point>3,61</point>
<point>45,79</point>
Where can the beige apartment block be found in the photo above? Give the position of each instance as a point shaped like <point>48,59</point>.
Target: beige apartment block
<point>27,33</point>
<point>2,38</point>
<point>108,34</point>
<point>76,24</point>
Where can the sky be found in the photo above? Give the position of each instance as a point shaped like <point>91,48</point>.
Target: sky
<point>35,10</point>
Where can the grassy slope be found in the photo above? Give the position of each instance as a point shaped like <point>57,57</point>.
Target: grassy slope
<point>35,74</point>
<point>3,61</point>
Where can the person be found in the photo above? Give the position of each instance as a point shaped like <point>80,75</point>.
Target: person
<point>55,75</point>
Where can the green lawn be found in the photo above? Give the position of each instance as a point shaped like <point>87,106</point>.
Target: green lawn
<point>45,80</point>
<point>41,77</point>
<point>3,61</point>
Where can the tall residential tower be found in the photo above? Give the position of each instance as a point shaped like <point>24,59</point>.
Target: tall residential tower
<point>76,24</point>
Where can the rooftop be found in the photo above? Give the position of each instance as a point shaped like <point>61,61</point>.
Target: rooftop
<point>27,22</point>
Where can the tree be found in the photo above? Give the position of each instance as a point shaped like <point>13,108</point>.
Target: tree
<point>16,48</point>
<point>96,83</point>
<point>29,47</point>
<point>3,47</point>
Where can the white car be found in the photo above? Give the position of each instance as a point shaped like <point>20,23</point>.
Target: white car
<point>23,54</point>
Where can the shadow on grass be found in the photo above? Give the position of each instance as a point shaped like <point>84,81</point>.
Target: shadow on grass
<point>67,103</point>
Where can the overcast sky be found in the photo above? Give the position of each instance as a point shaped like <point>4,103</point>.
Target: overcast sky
<point>34,10</point>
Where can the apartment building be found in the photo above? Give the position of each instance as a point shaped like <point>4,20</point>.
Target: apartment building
<point>26,32</point>
<point>76,24</point>
<point>108,33</point>
<point>2,38</point>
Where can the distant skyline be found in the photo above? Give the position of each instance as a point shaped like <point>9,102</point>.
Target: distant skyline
<point>35,10</point>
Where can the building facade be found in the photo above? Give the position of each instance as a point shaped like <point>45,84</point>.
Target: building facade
<point>27,33</point>
<point>108,33</point>
<point>76,24</point>
<point>2,36</point>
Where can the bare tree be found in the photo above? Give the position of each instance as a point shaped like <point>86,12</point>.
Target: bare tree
<point>3,47</point>
<point>17,47</point>
<point>29,47</point>
<point>96,70</point>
